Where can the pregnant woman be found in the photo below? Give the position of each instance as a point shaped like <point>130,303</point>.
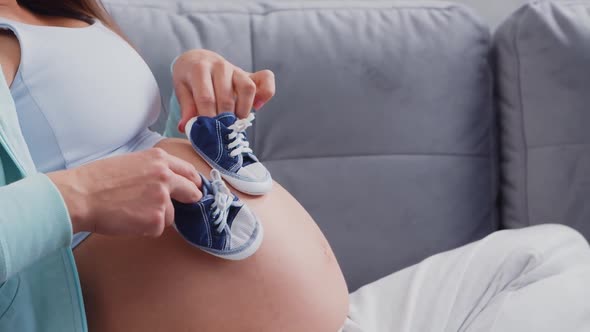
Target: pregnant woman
<point>83,102</point>
<point>83,94</point>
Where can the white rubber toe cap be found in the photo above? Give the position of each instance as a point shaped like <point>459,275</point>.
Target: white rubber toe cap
<point>257,180</point>
<point>189,126</point>
<point>255,172</point>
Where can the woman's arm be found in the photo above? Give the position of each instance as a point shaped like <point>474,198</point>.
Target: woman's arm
<point>125,195</point>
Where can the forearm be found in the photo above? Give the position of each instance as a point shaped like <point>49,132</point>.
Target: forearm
<point>34,222</point>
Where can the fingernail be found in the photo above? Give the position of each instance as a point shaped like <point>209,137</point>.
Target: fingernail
<point>258,105</point>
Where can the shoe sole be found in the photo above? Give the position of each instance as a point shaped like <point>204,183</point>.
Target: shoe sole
<point>246,187</point>
<point>251,250</point>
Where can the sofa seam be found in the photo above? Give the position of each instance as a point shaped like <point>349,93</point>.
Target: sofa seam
<point>449,155</point>
<point>522,117</point>
<point>494,144</point>
<point>392,7</point>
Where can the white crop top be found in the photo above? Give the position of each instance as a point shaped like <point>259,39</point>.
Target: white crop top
<point>81,94</point>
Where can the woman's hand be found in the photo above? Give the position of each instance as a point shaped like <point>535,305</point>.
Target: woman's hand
<point>207,84</point>
<point>128,195</point>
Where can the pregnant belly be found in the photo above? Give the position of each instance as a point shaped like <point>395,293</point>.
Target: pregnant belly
<point>293,283</point>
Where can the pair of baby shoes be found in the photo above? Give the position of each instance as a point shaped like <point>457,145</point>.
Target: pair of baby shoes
<point>220,224</point>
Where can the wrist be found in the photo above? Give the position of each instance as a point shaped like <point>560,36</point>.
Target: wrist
<point>74,196</point>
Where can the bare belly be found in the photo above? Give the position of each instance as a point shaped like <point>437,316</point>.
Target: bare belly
<point>293,283</point>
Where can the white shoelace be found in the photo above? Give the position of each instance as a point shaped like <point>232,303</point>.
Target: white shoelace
<point>223,200</point>
<point>240,144</point>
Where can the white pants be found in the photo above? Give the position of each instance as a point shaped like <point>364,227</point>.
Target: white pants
<point>535,279</point>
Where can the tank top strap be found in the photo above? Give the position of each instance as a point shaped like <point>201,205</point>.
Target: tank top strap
<point>14,26</point>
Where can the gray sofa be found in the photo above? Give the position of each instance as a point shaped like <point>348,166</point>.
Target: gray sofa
<point>386,125</point>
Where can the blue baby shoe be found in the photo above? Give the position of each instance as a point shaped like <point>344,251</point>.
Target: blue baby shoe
<point>221,141</point>
<point>219,224</point>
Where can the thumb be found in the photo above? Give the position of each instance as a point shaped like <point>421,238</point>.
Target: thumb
<point>188,110</point>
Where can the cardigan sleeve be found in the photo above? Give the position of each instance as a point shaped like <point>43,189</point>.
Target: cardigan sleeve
<point>34,222</point>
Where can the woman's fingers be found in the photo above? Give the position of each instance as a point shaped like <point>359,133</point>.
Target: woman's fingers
<point>203,90</point>
<point>169,214</point>
<point>187,105</point>
<point>216,86</point>
<point>184,181</point>
<point>183,168</point>
<point>245,90</point>
<point>265,87</point>
<point>223,85</point>
<point>179,176</point>
<point>183,190</point>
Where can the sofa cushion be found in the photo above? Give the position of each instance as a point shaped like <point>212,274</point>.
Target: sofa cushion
<point>543,74</point>
<point>382,126</point>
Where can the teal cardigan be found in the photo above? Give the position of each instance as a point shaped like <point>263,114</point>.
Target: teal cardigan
<point>39,285</point>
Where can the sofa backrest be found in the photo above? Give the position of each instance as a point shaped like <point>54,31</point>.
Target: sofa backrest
<point>382,126</point>
<point>542,57</point>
